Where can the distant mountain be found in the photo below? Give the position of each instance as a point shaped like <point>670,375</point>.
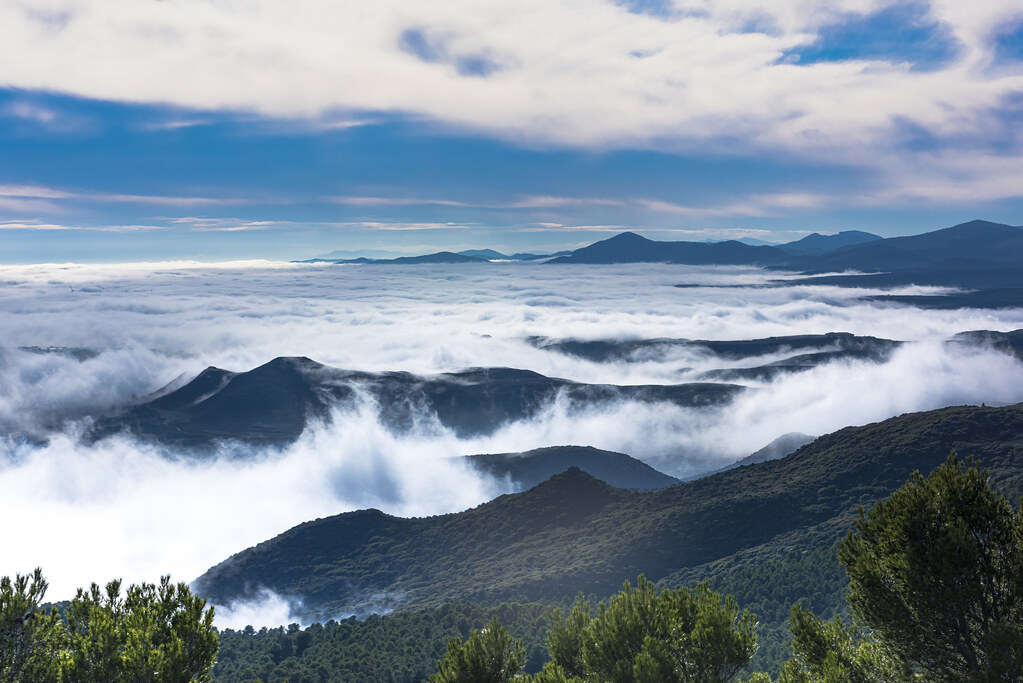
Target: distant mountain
<point>977,244</point>
<point>486,254</point>
<point>272,404</point>
<point>537,257</point>
<point>779,448</point>
<point>1007,342</point>
<point>628,247</point>
<point>978,255</point>
<point>78,353</point>
<point>358,253</point>
<point>439,257</point>
<point>817,243</point>
<point>806,349</point>
<point>575,533</point>
<point>526,470</point>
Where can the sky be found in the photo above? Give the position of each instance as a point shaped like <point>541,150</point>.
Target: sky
<point>237,129</point>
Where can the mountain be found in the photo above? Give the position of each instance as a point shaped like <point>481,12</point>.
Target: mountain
<point>806,349</point>
<point>485,254</point>
<point>537,257</point>
<point>817,243</point>
<point>272,404</point>
<point>526,470</point>
<point>358,253</point>
<point>1007,342</point>
<point>977,244</point>
<point>779,448</point>
<point>439,257</point>
<point>628,247</point>
<point>575,533</point>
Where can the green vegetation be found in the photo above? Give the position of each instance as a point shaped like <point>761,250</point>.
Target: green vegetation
<point>403,647</point>
<point>767,534</point>
<point>641,634</point>
<point>154,633</point>
<point>832,652</point>
<point>936,571</point>
<point>29,640</point>
<point>573,533</point>
<point>488,656</point>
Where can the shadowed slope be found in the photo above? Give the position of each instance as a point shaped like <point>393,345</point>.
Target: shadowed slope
<point>575,533</point>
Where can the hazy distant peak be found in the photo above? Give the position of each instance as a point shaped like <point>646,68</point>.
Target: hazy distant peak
<point>816,242</point>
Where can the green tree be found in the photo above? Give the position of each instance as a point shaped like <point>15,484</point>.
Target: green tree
<point>488,656</point>
<point>154,633</point>
<point>831,652</point>
<point>30,639</point>
<point>565,637</point>
<point>644,636</point>
<point>936,572</point>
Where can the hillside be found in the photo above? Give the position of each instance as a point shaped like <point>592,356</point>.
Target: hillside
<point>967,245</point>
<point>628,247</point>
<point>273,403</point>
<point>526,470</point>
<point>817,243</point>
<point>798,350</point>
<point>575,533</point>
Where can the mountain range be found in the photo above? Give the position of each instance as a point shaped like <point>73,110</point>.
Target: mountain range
<point>575,533</point>
<point>273,403</point>
<point>979,256</point>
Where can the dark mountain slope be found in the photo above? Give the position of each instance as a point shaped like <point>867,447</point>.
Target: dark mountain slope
<point>836,343</point>
<point>526,470</point>
<point>438,257</point>
<point>628,247</point>
<point>575,533</point>
<point>273,403</point>
<point>961,247</point>
<point>817,243</point>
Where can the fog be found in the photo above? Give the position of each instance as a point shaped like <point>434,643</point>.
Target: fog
<point>125,509</point>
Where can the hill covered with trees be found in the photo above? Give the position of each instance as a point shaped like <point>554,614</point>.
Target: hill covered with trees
<point>766,532</point>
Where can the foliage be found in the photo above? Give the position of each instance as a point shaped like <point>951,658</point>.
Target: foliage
<point>574,534</point>
<point>936,571</point>
<point>402,647</point>
<point>154,633</point>
<point>641,635</point>
<point>29,638</point>
<point>831,652</point>
<point>488,656</point>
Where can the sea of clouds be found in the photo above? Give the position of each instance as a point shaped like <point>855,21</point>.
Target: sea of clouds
<point>120,508</point>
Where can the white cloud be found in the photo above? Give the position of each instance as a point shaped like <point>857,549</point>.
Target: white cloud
<point>151,323</point>
<point>564,71</point>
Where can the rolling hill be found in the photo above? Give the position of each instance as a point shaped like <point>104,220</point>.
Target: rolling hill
<point>574,533</point>
<point>526,470</point>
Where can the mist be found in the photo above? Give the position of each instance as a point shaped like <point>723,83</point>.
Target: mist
<point>122,508</point>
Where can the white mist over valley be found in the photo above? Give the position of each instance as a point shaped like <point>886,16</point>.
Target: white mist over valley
<point>83,342</point>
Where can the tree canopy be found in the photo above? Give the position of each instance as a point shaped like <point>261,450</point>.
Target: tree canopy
<point>488,656</point>
<point>936,573</point>
<point>155,632</point>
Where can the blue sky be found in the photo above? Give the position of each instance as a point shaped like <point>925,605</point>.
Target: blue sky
<point>144,130</point>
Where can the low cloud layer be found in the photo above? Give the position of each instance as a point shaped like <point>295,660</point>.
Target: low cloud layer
<point>121,508</point>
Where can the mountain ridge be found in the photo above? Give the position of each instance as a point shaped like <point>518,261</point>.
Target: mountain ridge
<point>575,533</point>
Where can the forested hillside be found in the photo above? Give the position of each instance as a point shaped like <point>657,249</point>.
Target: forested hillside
<point>765,532</point>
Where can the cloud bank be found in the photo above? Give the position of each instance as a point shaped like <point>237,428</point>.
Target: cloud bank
<point>122,508</point>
